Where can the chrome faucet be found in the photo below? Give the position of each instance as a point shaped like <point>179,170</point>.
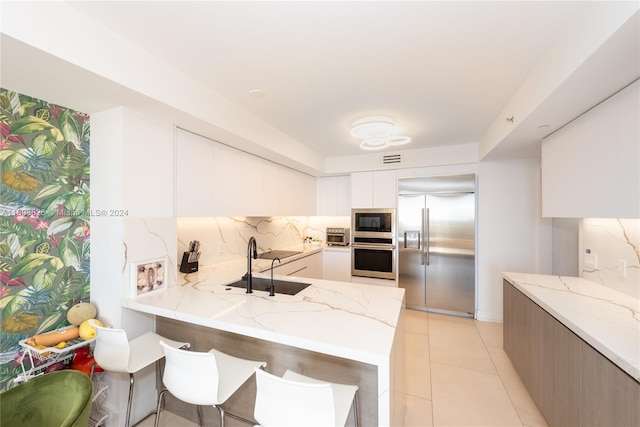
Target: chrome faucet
<point>272,288</point>
<point>252,246</point>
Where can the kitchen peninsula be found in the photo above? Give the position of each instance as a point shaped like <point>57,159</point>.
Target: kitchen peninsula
<point>337,331</point>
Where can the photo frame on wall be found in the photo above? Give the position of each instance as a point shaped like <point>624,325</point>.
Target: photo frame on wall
<point>148,276</point>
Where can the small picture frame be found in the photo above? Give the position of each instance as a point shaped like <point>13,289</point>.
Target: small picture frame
<point>148,276</point>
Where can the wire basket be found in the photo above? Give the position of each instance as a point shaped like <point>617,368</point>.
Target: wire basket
<point>52,353</point>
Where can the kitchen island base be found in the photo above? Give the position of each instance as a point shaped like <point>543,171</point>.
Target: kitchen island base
<point>279,358</point>
<point>572,383</point>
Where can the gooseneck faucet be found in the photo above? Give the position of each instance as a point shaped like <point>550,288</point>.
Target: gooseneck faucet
<point>251,247</point>
<point>272,288</point>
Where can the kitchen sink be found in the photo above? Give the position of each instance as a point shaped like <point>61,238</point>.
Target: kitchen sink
<point>262,284</point>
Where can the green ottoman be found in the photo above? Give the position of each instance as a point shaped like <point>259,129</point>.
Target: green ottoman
<point>59,399</point>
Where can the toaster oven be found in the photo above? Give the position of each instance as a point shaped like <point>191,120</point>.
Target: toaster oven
<point>338,236</point>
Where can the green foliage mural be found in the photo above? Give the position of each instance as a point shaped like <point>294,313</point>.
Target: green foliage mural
<point>44,219</point>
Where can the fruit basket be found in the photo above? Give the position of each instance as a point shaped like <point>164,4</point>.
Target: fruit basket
<point>41,358</point>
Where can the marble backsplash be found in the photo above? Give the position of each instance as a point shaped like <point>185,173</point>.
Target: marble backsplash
<point>225,238</point>
<point>616,243</point>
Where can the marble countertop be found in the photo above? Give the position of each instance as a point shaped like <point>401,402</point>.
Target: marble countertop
<point>606,319</point>
<point>348,320</point>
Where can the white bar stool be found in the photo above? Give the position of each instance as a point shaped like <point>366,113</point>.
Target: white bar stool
<point>295,400</point>
<point>204,378</point>
<point>114,352</point>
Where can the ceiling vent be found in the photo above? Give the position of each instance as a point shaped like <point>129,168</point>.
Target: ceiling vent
<point>390,159</point>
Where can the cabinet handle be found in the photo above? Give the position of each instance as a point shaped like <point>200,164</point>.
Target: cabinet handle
<point>294,272</point>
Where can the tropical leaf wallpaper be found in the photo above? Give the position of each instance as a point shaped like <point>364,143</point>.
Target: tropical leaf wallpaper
<point>44,220</point>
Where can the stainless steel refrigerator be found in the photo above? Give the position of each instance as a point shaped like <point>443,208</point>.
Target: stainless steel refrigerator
<point>436,243</point>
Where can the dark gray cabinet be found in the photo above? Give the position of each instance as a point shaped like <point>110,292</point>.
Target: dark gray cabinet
<point>572,383</point>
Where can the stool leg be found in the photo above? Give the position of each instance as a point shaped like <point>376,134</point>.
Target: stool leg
<point>130,399</point>
<point>159,407</point>
<point>355,408</point>
<point>199,411</point>
<point>221,414</point>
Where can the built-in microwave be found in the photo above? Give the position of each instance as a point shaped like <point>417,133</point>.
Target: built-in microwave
<point>377,223</point>
<point>373,249</point>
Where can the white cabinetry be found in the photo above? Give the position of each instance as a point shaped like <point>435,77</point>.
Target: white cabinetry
<point>334,196</point>
<point>309,266</point>
<point>590,168</point>
<point>377,189</point>
<point>303,195</point>
<point>216,180</point>
<point>226,188</point>
<point>337,264</point>
<point>195,176</point>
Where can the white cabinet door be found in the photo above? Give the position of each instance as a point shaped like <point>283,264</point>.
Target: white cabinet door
<point>304,194</point>
<point>253,196</point>
<point>377,189</point>
<point>194,175</point>
<point>286,197</point>
<point>334,196</point>
<point>337,264</point>
<point>362,190</point>
<point>227,183</point>
<point>309,266</point>
<point>385,189</point>
<point>271,190</point>
<point>590,167</point>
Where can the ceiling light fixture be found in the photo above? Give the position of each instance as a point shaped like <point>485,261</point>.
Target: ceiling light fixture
<point>257,93</point>
<point>377,133</point>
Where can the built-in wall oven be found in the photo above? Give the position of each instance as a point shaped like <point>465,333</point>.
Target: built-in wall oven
<point>373,249</point>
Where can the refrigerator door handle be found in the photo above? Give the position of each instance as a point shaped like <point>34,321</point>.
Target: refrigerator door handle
<point>421,238</point>
<point>426,234</point>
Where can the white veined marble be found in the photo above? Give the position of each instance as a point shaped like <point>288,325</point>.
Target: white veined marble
<point>347,320</point>
<point>606,319</point>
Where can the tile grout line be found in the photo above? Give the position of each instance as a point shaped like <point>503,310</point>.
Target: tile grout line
<point>433,421</point>
<point>484,344</point>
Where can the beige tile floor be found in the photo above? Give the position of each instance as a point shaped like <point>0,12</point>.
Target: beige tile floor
<point>457,375</point>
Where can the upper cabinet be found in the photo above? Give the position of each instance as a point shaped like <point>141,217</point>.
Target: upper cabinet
<point>377,189</point>
<point>591,167</point>
<point>334,196</point>
<point>195,176</point>
<point>216,180</point>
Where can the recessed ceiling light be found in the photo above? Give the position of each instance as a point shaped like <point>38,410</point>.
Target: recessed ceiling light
<point>257,93</point>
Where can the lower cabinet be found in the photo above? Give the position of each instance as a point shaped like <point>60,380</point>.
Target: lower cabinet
<point>337,264</point>
<point>309,266</point>
<point>571,382</point>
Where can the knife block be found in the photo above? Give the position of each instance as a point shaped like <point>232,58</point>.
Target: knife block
<point>186,266</point>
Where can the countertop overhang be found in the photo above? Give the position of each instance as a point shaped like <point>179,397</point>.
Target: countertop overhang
<point>606,319</point>
<point>348,320</point>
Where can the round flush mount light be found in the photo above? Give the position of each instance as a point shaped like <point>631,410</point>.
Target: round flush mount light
<point>372,126</point>
<point>257,93</point>
<point>377,133</point>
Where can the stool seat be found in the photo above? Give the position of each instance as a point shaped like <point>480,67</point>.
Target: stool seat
<point>295,399</point>
<point>204,378</point>
<point>115,353</point>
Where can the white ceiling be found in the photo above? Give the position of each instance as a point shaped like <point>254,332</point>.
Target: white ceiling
<point>442,70</point>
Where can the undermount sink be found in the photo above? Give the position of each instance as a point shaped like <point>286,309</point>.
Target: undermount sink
<point>262,284</point>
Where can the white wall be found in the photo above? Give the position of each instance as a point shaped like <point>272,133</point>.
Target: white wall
<point>512,236</point>
<point>565,247</point>
<point>132,183</point>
